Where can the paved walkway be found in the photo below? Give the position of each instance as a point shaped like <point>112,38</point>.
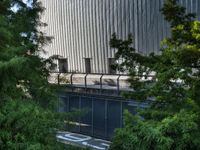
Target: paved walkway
<point>82,141</point>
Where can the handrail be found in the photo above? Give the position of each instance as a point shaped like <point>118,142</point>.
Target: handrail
<point>58,78</point>
<point>105,74</point>
<point>86,82</point>
<point>89,73</point>
<point>118,92</point>
<point>71,79</point>
<point>101,83</point>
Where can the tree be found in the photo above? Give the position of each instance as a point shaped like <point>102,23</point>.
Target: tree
<point>27,102</point>
<point>173,119</point>
<point>21,45</point>
<point>24,125</point>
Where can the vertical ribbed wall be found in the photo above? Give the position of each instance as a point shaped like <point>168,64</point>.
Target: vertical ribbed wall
<point>83,28</point>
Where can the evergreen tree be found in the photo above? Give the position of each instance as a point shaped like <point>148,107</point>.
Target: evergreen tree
<point>27,102</point>
<point>173,119</point>
<point>23,72</point>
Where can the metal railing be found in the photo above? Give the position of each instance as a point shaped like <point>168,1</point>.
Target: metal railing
<point>100,86</point>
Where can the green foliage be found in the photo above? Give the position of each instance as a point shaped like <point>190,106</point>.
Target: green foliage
<point>27,102</point>
<point>172,79</point>
<point>177,132</point>
<point>24,125</point>
<point>22,71</point>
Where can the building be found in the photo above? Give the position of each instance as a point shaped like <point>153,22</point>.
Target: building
<point>82,29</point>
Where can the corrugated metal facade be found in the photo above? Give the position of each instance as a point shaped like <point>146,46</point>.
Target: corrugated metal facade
<point>83,28</point>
